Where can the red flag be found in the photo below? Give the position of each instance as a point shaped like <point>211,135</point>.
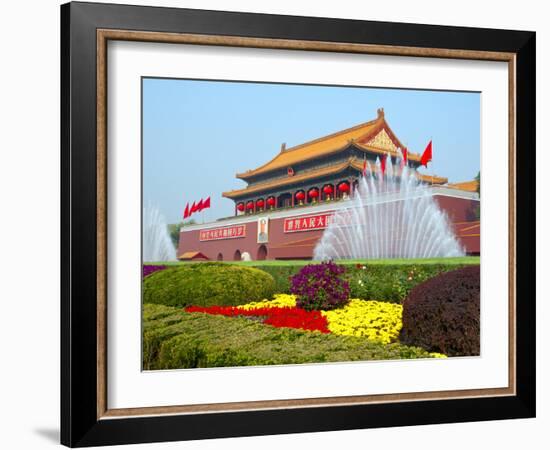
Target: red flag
<point>193,209</point>
<point>427,155</point>
<point>206,203</point>
<point>200,205</point>
<point>186,212</point>
<point>383,163</point>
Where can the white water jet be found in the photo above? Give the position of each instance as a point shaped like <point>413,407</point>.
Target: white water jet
<point>391,216</point>
<point>157,245</point>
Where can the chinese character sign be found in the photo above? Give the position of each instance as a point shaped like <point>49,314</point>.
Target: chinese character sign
<point>318,222</point>
<point>213,234</point>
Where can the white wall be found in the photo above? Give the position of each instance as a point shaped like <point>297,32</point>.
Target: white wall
<point>29,222</point>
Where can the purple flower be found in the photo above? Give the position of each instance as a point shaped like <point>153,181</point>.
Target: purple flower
<point>319,286</point>
<point>148,270</point>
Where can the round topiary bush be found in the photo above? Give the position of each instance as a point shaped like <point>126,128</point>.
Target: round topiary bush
<point>207,284</point>
<point>442,313</point>
<point>320,286</point>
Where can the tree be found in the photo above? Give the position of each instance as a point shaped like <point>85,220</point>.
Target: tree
<point>174,231</point>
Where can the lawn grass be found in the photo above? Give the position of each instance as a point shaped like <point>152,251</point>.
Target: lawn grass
<point>301,262</point>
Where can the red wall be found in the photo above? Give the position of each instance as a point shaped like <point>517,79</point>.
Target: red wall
<point>300,245</point>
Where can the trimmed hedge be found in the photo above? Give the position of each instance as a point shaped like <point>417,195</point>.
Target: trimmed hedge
<point>174,339</point>
<point>385,282</point>
<point>443,314</point>
<point>207,284</point>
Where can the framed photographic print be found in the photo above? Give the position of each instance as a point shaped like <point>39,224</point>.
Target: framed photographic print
<point>277,224</point>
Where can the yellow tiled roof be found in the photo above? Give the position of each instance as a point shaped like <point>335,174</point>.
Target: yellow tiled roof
<point>288,180</point>
<point>191,255</point>
<point>330,144</point>
<point>470,186</point>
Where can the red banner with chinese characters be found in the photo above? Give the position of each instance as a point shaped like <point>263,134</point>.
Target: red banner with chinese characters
<point>308,223</point>
<point>214,234</point>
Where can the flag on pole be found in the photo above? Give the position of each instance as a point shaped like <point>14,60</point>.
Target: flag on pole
<point>427,155</point>
<point>193,209</point>
<point>200,205</point>
<point>186,212</point>
<point>206,203</point>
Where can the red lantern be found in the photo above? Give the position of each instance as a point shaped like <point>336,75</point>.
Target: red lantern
<point>250,205</point>
<point>271,201</point>
<point>240,207</point>
<point>300,195</point>
<point>327,189</point>
<point>313,193</point>
<point>260,203</point>
<point>343,187</point>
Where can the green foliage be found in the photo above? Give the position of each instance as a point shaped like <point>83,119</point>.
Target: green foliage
<point>442,314</point>
<point>281,274</point>
<point>174,339</point>
<point>390,283</point>
<point>207,284</point>
<point>371,281</point>
<point>174,230</point>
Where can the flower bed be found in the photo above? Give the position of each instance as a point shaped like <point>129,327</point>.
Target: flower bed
<point>175,339</point>
<point>277,316</point>
<point>376,321</point>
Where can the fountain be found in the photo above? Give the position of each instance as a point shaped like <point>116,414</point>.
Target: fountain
<point>157,245</point>
<point>391,216</point>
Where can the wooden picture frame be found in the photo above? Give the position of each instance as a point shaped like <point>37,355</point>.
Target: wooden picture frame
<point>86,419</point>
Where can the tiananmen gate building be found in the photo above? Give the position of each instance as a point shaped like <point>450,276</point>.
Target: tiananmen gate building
<point>289,201</point>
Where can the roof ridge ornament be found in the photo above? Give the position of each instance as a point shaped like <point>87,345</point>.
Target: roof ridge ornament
<point>283,147</point>
<point>380,112</point>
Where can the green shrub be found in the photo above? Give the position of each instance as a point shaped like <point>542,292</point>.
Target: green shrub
<point>183,340</point>
<point>207,284</point>
<point>389,282</point>
<point>442,314</point>
<point>281,274</point>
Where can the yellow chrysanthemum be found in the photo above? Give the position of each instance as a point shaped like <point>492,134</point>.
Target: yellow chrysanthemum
<point>376,321</point>
<point>280,300</point>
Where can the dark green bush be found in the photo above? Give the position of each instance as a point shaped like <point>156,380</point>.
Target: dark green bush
<point>442,314</point>
<point>207,284</point>
<point>386,282</point>
<point>174,339</point>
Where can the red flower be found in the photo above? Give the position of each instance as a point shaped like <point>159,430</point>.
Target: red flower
<point>281,317</point>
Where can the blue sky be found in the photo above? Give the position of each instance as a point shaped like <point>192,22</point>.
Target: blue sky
<point>198,134</point>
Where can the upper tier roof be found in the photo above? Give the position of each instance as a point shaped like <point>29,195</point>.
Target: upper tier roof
<point>360,135</point>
